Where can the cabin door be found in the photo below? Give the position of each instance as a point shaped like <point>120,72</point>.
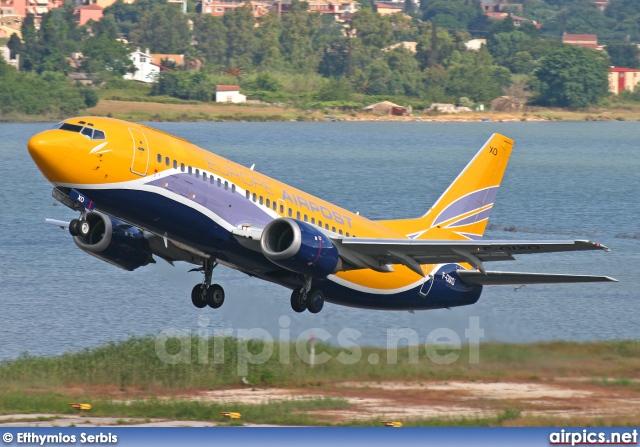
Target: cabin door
<point>140,162</point>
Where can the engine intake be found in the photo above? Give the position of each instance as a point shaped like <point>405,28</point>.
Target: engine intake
<point>114,241</point>
<point>299,247</point>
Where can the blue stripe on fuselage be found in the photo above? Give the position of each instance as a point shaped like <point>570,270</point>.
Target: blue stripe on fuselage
<point>160,214</point>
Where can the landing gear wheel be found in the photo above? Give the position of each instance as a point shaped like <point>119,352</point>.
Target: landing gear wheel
<point>315,301</point>
<point>74,227</point>
<point>198,296</point>
<point>298,303</point>
<point>85,228</point>
<point>215,296</point>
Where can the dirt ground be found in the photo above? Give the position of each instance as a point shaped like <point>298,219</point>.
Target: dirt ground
<point>204,111</point>
<point>572,399</point>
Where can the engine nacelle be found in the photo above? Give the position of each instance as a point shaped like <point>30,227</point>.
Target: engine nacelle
<point>299,247</point>
<point>115,242</point>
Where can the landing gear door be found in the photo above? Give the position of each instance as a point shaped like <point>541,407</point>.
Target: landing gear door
<point>426,286</point>
<point>140,162</point>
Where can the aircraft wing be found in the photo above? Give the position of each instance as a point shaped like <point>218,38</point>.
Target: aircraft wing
<point>412,253</point>
<point>517,279</point>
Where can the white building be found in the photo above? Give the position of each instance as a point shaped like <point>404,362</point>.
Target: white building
<point>475,44</point>
<point>5,53</point>
<point>229,93</point>
<point>145,69</point>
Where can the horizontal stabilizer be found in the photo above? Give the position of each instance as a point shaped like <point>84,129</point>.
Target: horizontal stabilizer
<point>517,279</point>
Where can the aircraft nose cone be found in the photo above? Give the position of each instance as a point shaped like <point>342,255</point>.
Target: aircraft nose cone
<point>46,151</point>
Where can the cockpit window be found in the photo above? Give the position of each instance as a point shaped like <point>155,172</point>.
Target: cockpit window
<point>92,134</point>
<point>71,127</point>
<point>57,126</point>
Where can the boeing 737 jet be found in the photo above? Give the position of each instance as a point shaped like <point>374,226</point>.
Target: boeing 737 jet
<point>143,194</point>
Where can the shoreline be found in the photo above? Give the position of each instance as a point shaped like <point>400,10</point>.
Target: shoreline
<point>212,112</point>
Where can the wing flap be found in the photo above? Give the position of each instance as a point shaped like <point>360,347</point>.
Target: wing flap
<point>438,251</point>
<point>517,279</point>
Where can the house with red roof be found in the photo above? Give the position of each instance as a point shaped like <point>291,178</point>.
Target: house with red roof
<point>581,40</point>
<point>230,94</point>
<point>621,79</point>
<point>146,69</point>
<point>85,13</point>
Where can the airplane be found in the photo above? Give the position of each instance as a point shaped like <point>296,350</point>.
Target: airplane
<point>143,194</point>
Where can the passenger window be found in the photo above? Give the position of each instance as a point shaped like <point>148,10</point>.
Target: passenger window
<point>175,164</point>
<point>333,229</point>
<point>261,200</point>
<point>197,173</point>
<point>219,182</point>
<point>268,203</point>
<point>290,212</point>
<point>305,218</point>
<point>274,206</point>
<point>233,188</point>
<point>313,220</point>
<point>182,167</point>
<point>159,156</point>
<point>213,180</point>
<point>204,176</point>
<point>320,223</point>
<point>247,194</point>
<point>167,161</point>
<point>281,209</point>
<point>226,186</point>
<point>255,197</point>
<point>190,170</point>
<point>326,226</point>
<point>347,234</point>
<point>98,135</point>
<point>340,232</point>
<point>298,215</point>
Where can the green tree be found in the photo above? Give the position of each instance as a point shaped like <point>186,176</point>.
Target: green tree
<point>300,29</point>
<point>51,54</point>
<point>105,56</point>
<point>435,46</point>
<point>623,54</point>
<point>573,77</point>
<point>338,89</point>
<point>15,46</point>
<point>374,30</point>
<point>127,15</point>
<point>268,55</point>
<point>163,29</point>
<point>473,75</point>
<point>210,35</point>
<point>241,39</point>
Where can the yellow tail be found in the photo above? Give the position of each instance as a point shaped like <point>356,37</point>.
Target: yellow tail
<point>462,212</point>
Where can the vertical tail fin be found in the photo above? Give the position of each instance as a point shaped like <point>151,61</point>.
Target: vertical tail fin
<point>462,212</point>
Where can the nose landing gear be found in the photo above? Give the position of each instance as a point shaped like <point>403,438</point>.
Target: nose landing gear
<point>207,294</point>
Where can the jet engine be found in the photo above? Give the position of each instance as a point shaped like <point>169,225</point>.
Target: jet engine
<point>115,242</point>
<point>299,247</point>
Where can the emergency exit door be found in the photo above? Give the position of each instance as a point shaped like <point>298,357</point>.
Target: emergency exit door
<point>140,162</point>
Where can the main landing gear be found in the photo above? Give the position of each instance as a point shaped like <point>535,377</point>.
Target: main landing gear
<point>306,298</point>
<point>207,294</point>
<point>80,227</point>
